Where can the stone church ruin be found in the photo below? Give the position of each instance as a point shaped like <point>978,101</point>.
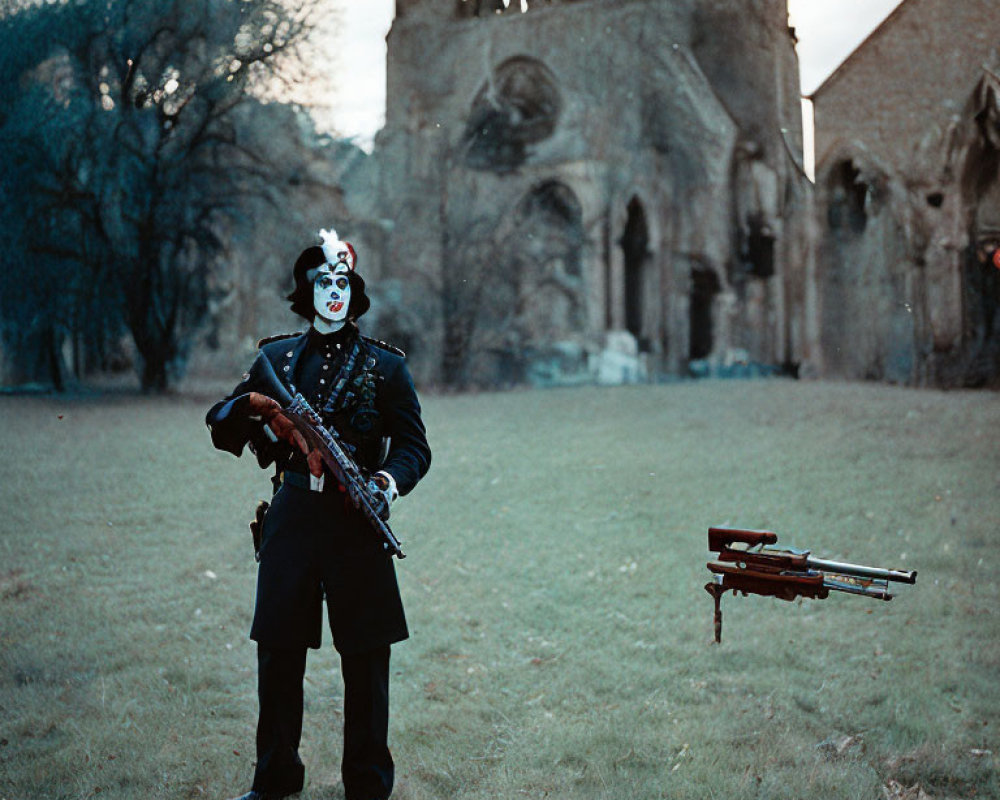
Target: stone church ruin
<point>908,200</point>
<point>592,189</point>
<point>612,191</point>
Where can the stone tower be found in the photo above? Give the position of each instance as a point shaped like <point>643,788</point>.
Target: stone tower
<point>579,189</point>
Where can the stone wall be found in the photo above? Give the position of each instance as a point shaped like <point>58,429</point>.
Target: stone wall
<point>907,81</point>
<point>908,200</point>
<point>561,176</point>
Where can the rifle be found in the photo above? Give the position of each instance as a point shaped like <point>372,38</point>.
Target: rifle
<point>335,458</point>
<point>786,572</point>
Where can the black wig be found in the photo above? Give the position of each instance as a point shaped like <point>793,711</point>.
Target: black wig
<point>302,297</point>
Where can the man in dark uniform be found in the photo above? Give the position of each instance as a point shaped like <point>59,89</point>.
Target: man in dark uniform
<point>314,543</point>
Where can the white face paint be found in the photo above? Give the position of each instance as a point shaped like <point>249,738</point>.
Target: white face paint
<point>331,297</point>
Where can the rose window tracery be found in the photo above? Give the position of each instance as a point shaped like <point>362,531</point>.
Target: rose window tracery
<point>518,108</point>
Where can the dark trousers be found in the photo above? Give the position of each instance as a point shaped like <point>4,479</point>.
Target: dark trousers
<point>367,767</point>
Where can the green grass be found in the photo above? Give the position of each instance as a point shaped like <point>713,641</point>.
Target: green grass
<point>561,637</point>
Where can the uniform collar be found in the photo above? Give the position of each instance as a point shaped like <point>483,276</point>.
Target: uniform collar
<point>331,340</point>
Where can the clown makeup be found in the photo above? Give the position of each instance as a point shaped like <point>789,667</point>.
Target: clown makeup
<point>331,297</point>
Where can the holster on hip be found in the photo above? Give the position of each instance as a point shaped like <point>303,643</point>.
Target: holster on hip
<point>256,525</point>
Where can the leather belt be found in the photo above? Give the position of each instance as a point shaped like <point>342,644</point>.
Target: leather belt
<point>307,481</point>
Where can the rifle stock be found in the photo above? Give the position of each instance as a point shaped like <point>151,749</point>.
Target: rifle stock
<point>786,573</point>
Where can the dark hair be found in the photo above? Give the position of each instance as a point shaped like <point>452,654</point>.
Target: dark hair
<point>302,295</point>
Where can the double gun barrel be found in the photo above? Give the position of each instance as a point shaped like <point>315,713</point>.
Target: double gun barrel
<point>746,563</point>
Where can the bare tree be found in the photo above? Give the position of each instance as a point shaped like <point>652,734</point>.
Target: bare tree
<point>129,158</point>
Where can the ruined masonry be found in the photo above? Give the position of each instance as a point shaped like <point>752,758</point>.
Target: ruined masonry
<point>908,200</point>
<point>604,190</point>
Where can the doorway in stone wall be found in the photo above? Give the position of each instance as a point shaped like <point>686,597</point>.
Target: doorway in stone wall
<point>635,248</point>
<point>704,288</point>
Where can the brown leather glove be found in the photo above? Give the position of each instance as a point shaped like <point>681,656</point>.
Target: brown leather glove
<point>315,462</point>
<point>269,410</point>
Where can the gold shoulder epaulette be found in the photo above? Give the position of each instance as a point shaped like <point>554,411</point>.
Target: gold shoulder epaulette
<point>384,345</point>
<point>277,338</point>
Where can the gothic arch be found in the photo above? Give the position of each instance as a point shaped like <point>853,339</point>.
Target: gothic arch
<point>518,107</point>
<point>632,282</point>
<point>635,249</point>
<point>848,198</point>
<point>547,244</point>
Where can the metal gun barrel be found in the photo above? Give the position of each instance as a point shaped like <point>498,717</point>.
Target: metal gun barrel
<point>878,589</point>
<point>860,571</point>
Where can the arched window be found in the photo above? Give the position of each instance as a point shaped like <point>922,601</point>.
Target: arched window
<point>518,108</point>
<point>547,245</point>
<point>551,216</point>
<point>635,247</point>
<point>849,199</point>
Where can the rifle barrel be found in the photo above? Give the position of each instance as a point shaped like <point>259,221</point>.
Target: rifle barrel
<point>845,583</point>
<point>860,571</point>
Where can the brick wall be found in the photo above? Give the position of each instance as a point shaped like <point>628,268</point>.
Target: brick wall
<point>914,73</point>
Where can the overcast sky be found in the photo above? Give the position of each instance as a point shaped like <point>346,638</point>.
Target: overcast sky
<point>828,30</point>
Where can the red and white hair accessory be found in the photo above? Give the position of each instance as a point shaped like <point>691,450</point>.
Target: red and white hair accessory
<point>337,251</point>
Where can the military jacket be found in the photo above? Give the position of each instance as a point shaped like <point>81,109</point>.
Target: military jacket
<point>361,388</point>
<point>315,545</point>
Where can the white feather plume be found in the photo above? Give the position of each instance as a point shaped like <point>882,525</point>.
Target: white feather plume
<point>336,249</point>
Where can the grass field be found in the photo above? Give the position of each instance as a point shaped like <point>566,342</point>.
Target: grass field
<point>561,637</point>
